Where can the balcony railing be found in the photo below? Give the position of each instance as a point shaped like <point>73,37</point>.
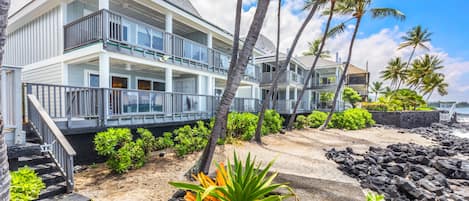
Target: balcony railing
<point>287,106</point>
<point>127,35</point>
<point>68,103</point>
<point>289,76</point>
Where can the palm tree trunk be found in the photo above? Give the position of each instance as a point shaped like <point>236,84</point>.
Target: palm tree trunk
<point>428,98</point>
<point>310,74</point>
<point>4,167</point>
<point>283,68</point>
<point>234,54</point>
<point>233,83</point>
<point>407,65</point>
<point>342,77</point>
<point>275,99</point>
<point>258,134</point>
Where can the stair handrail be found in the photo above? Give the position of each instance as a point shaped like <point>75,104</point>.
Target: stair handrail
<point>452,110</point>
<point>53,139</point>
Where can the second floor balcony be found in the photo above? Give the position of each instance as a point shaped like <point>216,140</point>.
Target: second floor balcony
<point>287,77</point>
<point>130,36</point>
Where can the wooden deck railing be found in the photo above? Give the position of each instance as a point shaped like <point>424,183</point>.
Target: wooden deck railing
<point>108,27</point>
<point>102,104</point>
<point>53,141</point>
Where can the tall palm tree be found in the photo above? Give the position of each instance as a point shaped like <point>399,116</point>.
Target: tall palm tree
<point>4,167</point>
<point>417,37</point>
<point>387,91</point>
<point>357,9</point>
<point>232,84</point>
<point>314,50</point>
<point>395,71</point>
<point>377,88</point>
<point>423,67</point>
<point>311,71</point>
<point>314,5</point>
<point>434,82</point>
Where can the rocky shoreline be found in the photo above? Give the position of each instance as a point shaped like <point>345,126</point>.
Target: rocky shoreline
<point>411,171</point>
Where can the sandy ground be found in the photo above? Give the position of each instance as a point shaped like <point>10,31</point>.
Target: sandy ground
<point>297,153</point>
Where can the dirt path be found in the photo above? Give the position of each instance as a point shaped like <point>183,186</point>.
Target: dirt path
<point>297,153</point>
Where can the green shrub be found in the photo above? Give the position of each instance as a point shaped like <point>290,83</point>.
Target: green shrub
<point>25,184</point>
<point>123,153</point>
<point>316,119</point>
<point>107,143</point>
<point>354,119</point>
<point>241,125</point>
<point>402,100</point>
<point>350,95</point>
<point>190,139</point>
<point>272,122</point>
<point>301,122</point>
<point>425,108</point>
<point>164,142</point>
<point>375,106</point>
<point>374,197</point>
<point>148,140</point>
<point>336,120</point>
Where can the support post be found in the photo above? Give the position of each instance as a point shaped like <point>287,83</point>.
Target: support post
<point>209,40</point>
<point>104,83</point>
<point>169,22</point>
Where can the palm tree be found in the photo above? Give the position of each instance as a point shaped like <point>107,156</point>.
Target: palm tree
<point>314,4</point>
<point>387,91</point>
<point>356,8</point>
<point>232,84</point>
<point>423,67</point>
<point>395,71</point>
<point>314,50</point>
<point>415,38</point>
<point>277,52</point>
<point>311,71</point>
<point>4,167</point>
<point>377,88</point>
<point>434,82</point>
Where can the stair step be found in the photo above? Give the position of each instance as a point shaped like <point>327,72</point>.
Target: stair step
<point>52,178</point>
<point>53,190</point>
<point>33,160</point>
<point>46,168</point>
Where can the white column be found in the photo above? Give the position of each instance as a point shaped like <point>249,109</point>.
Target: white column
<point>209,39</point>
<point>104,70</point>
<point>211,86</point>
<point>168,76</point>
<point>169,22</point>
<point>103,4</point>
<point>62,21</point>
<point>287,93</point>
<point>253,91</point>
<point>65,74</point>
<point>295,92</point>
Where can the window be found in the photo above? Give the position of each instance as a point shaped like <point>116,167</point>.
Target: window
<point>125,33</point>
<point>120,82</point>
<point>157,40</point>
<point>159,86</point>
<point>144,36</point>
<point>93,80</point>
<point>144,85</point>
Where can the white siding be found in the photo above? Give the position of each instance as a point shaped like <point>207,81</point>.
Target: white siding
<point>47,75</point>
<point>38,40</point>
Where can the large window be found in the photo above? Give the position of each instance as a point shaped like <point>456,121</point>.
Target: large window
<point>195,51</point>
<point>93,80</point>
<point>120,82</point>
<point>150,85</point>
<point>157,40</point>
<point>144,36</point>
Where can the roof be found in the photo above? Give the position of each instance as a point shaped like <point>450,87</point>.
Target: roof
<point>265,44</point>
<point>185,5</point>
<point>322,63</point>
<point>352,69</point>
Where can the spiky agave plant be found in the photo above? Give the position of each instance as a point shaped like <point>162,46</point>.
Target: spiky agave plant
<point>247,182</point>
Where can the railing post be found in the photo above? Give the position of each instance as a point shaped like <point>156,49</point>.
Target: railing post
<point>105,106</point>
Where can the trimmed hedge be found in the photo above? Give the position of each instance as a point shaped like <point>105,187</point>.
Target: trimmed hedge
<point>350,119</point>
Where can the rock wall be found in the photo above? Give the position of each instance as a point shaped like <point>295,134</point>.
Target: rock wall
<point>413,119</point>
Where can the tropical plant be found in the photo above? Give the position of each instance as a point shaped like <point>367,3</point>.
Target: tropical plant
<point>376,88</point>
<point>313,50</point>
<point>272,122</point>
<point>330,13</point>
<point>166,141</point>
<point>4,174</point>
<point>235,74</point>
<point>301,122</point>
<point>313,5</point>
<point>357,9</point>
<point>188,140</point>
<point>374,197</point>
<point>241,125</point>
<point>326,96</point>
<point>434,82</point>
<point>395,72</point>
<point>387,91</point>
<point>354,119</point>
<point>417,37</point>
<point>424,67</point>
<point>350,95</point>
<point>25,184</point>
<point>316,119</point>
<point>148,140</point>
<point>402,99</point>
<point>247,182</point>
<point>375,106</point>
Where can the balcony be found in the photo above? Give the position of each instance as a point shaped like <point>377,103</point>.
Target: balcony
<point>288,77</point>
<point>357,79</point>
<point>150,42</point>
<point>287,106</point>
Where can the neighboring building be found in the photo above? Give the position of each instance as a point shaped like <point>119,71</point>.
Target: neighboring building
<point>359,80</point>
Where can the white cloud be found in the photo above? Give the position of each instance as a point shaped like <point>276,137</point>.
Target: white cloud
<point>376,49</point>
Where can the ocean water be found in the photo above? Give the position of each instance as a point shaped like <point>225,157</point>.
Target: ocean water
<point>462,110</point>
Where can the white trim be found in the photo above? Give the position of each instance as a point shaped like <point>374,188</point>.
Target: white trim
<point>86,78</point>
<point>129,80</point>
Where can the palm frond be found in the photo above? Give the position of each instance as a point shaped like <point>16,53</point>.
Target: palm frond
<point>386,12</point>
<point>340,28</point>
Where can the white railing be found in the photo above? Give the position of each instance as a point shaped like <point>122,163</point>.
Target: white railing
<point>11,103</point>
<point>53,140</point>
<point>447,116</point>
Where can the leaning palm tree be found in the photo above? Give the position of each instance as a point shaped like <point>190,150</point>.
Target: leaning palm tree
<point>4,173</point>
<point>377,88</point>
<point>417,37</point>
<point>277,52</point>
<point>316,59</point>
<point>313,50</point>
<point>357,9</point>
<point>232,84</point>
<point>314,5</point>
<point>395,71</point>
<point>423,67</point>
<point>434,82</point>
